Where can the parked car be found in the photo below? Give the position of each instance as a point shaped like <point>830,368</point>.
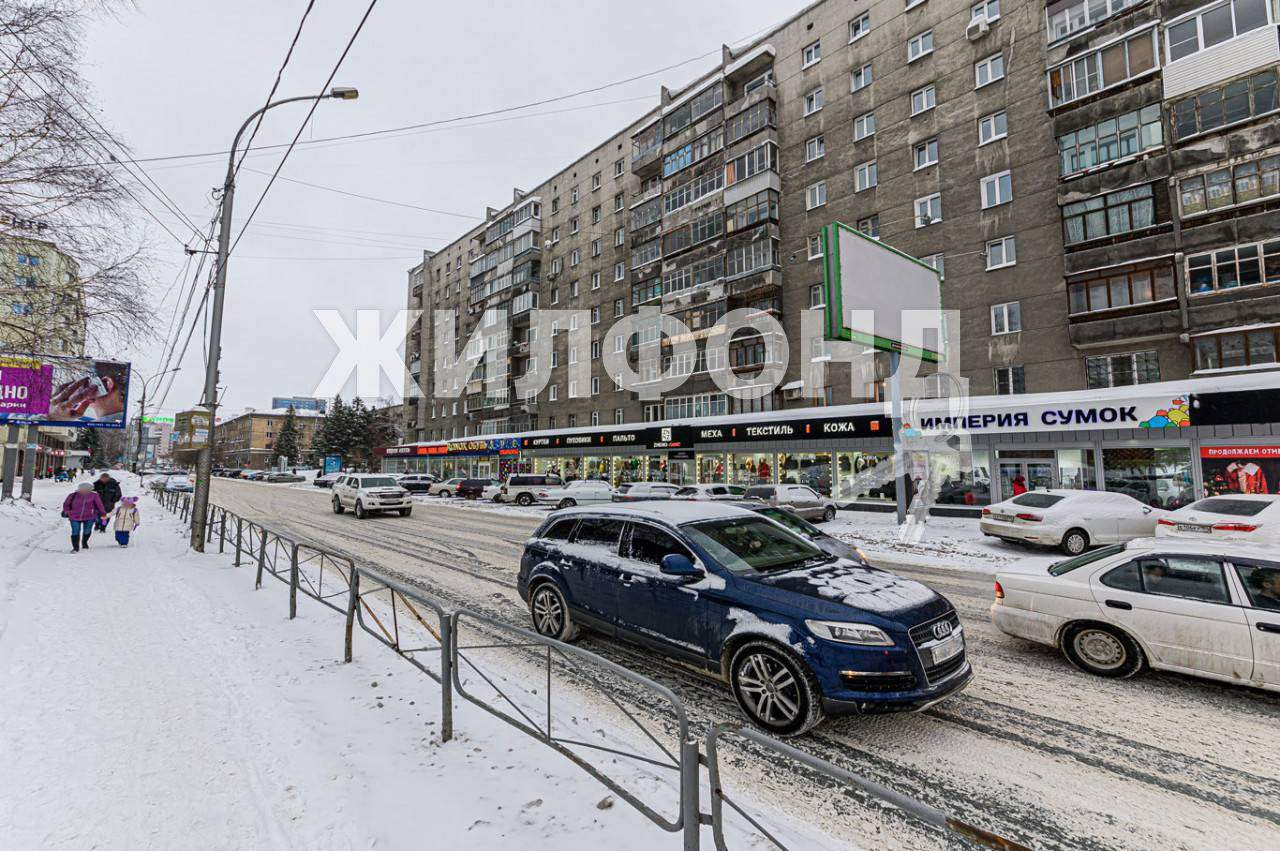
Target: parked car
<point>1230,517</point>
<point>710,492</point>
<point>179,484</point>
<point>522,488</point>
<point>478,488</point>
<point>253,475</point>
<point>577,492</point>
<point>416,482</point>
<point>795,632</point>
<point>284,478</point>
<point>235,473</point>
<point>365,494</point>
<point>1073,520</point>
<point>1191,606</point>
<point>326,480</point>
<point>447,488</point>
<point>796,523</point>
<point>644,491</point>
<point>802,499</point>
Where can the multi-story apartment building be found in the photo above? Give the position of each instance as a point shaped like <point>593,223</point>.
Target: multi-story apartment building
<point>1097,181</point>
<point>247,440</point>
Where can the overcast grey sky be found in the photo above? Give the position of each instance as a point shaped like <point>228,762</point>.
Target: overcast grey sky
<point>178,76</point>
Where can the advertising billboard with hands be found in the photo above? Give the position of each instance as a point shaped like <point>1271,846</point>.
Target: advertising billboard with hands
<point>62,391</point>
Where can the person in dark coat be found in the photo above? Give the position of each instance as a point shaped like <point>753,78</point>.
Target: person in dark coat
<point>108,490</point>
<point>83,508</point>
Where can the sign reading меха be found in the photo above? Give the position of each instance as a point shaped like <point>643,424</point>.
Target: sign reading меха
<point>1065,415</point>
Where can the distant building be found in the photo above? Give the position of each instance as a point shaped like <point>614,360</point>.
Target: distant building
<point>300,403</point>
<point>248,441</point>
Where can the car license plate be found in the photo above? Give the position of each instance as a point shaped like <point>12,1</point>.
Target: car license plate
<point>1003,518</point>
<point>1194,527</point>
<point>947,649</point>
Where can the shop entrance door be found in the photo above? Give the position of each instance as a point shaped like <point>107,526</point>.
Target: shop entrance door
<point>1036,474</point>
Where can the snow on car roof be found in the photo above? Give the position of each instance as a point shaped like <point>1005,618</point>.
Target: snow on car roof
<point>1222,548</point>
<point>676,512</point>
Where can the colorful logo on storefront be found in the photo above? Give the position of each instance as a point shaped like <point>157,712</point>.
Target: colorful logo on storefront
<point>1176,416</point>
<point>908,430</point>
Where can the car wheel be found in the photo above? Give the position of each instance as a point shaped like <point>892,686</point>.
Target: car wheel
<point>337,506</point>
<point>1102,650</point>
<point>550,613</point>
<point>525,499</point>
<point>405,512</point>
<point>1075,542</point>
<point>566,503</point>
<point>361,514</point>
<point>445,494</point>
<point>829,514</point>
<point>774,689</point>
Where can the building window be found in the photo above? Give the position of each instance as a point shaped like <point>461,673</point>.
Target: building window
<point>1108,215</point>
<point>755,117</point>
<point>597,246</point>
<point>864,176</point>
<point>555,236</point>
<point>925,153</point>
<point>595,215</point>
<point>619,237</point>
<point>814,149</point>
<point>753,162</point>
<point>1001,252</point>
<point>573,195</point>
<point>997,189</point>
<point>1109,66</point>
<point>1009,380</point>
<point>619,271</point>
<point>937,262</point>
<point>595,315</point>
<point>1214,25</point>
<point>811,55</point>
<point>1237,101</point>
<point>1006,318</point>
<point>700,405</point>
<point>595,390</point>
<point>992,127</point>
<point>928,210</point>
<point>575,257</point>
<point>924,99</point>
<point>573,225</point>
<point>1120,290</point>
<point>1238,266</point>
<point>751,211</point>
<point>816,296</point>
<point>1122,370</point>
<point>619,202</point>
<point>553,392</point>
<point>988,10</point>
<point>1226,187</point>
<point>919,45</point>
<point>595,181</point>
<point>619,306</point>
<point>859,27</point>
<point>988,70</point>
<point>573,394</point>
<point>1238,349</point>
<point>1113,139</point>
<point>860,78</point>
<point>1070,16</point>
<point>870,226</point>
<point>816,195</point>
<point>555,295</point>
<point>863,126</point>
<point>813,101</point>
<point>815,246</point>
<point>617,416</point>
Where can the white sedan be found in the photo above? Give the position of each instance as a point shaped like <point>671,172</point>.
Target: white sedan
<point>1071,519</point>
<point>1230,517</point>
<point>1170,604</point>
<point>577,492</point>
<point>710,492</point>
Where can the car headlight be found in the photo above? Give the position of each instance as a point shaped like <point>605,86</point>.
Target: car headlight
<point>850,633</point>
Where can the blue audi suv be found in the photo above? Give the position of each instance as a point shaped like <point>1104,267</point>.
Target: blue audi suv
<point>795,631</point>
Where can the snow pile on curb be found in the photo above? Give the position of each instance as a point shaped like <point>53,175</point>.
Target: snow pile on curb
<point>953,543</point>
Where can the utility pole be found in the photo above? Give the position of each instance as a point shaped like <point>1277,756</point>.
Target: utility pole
<point>204,462</point>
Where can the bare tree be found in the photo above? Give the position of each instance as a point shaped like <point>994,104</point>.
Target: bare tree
<point>58,188</point>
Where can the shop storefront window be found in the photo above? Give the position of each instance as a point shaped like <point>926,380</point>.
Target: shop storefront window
<point>1075,469</point>
<point>595,468</point>
<point>630,468</point>
<point>1159,476</point>
<point>859,474</point>
<point>711,469</point>
<point>962,479</point>
<point>795,468</point>
<point>750,469</point>
<point>548,466</point>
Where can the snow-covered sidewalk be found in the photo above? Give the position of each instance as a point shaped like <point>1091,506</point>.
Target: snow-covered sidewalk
<point>153,699</point>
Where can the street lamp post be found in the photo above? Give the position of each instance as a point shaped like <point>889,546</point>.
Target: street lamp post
<point>142,415</point>
<point>204,462</point>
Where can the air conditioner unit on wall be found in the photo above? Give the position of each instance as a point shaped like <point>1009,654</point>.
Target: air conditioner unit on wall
<point>977,28</point>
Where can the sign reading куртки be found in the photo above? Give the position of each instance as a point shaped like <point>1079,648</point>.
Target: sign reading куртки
<point>1149,412</point>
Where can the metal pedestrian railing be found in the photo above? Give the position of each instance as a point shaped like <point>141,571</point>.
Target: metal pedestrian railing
<point>417,628</point>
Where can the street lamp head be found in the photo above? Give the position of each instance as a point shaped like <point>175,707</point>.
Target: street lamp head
<point>344,93</point>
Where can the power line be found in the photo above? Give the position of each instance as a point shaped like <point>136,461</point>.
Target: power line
<point>367,197</point>
<point>310,112</point>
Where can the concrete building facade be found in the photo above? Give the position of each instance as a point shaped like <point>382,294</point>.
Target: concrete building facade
<point>1096,181</point>
<point>247,441</point>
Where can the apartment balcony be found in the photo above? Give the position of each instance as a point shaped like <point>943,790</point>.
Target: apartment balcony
<point>1160,320</point>
<point>700,294</point>
<point>415,367</point>
<point>523,303</point>
<point>519,348</point>
<point>759,283</point>
<point>768,91</point>
<point>1258,48</point>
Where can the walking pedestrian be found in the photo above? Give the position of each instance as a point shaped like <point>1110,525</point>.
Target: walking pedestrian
<point>83,508</point>
<point>108,490</point>
<point>127,519</point>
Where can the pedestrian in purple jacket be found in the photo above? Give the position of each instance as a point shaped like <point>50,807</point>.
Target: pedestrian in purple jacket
<point>83,508</point>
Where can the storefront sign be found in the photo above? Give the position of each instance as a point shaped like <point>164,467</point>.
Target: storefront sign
<point>458,448</point>
<point>806,429</point>
<point>585,440</point>
<point>1151,412</point>
<point>1240,469</point>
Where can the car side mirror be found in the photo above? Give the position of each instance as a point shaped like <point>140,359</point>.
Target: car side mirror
<point>675,564</point>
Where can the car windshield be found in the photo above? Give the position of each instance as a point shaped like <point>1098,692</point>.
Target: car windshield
<point>1037,500</point>
<point>1233,507</point>
<point>792,522</point>
<point>378,482</point>
<point>753,545</point>
<point>1060,567</point>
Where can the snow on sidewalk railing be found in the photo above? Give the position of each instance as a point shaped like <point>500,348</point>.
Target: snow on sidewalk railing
<point>392,610</point>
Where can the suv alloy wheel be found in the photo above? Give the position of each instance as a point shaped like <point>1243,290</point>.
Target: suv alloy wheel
<point>337,505</point>
<point>525,499</point>
<point>775,690</point>
<point>360,512</point>
<point>550,613</point>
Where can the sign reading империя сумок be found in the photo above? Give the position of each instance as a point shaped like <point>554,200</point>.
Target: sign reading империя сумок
<point>1167,411</point>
